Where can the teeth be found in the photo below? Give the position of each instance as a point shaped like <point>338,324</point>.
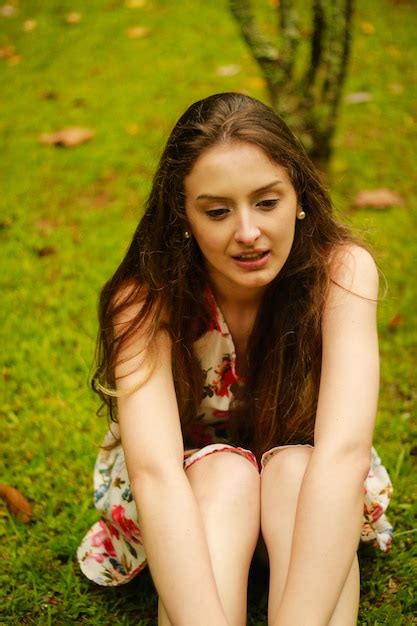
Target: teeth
<point>250,257</point>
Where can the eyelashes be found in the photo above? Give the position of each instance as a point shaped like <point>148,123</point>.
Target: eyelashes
<point>268,204</point>
<point>217,214</point>
<point>221,212</point>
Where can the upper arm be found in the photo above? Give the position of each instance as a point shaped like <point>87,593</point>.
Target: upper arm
<point>148,416</point>
<point>349,385</point>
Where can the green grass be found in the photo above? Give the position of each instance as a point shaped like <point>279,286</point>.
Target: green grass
<point>84,203</point>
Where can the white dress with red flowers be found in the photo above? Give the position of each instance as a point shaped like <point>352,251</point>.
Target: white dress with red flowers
<point>112,551</point>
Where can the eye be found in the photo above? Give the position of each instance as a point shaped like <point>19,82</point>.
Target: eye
<point>267,205</point>
<point>217,214</point>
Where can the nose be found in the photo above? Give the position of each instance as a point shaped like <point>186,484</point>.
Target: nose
<point>247,231</point>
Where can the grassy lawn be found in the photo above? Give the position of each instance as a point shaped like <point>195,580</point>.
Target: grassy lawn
<point>66,217</point>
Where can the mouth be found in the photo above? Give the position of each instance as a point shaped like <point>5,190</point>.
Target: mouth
<point>251,256</point>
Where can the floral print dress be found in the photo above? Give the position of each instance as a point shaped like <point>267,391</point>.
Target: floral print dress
<point>112,552</point>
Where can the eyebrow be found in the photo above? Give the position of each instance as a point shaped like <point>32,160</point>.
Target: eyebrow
<point>206,196</point>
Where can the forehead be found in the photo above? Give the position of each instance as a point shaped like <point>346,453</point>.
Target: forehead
<point>228,165</point>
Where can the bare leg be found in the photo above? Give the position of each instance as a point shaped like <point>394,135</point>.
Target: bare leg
<point>280,486</point>
<point>163,619</point>
<point>227,489</point>
<point>346,611</point>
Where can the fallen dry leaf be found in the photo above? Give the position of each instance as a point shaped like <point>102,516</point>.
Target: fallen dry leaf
<point>7,10</point>
<point>137,32</point>
<point>49,94</point>
<point>50,599</point>
<point>367,28</point>
<point>378,199</point>
<point>5,223</point>
<point>396,88</point>
<point>100,200</point>
<point>358,97</point>
<point>7,52</point>
<point>14,60</point>
<point>392,585</point>
<point>396,321</point>
<point>46,251</point>
<point>45,225</point>
<point>16,503</point>
<point>73,17</point>
<point>135,4</point>
<point>29,25</point>
<point>132,129</point>
<point>393,51</point>
<point>228,70</point>
<point>68,137</point>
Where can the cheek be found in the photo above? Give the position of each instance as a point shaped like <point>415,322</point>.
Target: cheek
<point>209,242</point>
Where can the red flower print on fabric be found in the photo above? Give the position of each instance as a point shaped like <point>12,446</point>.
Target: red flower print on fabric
<point>127,526</point>
<point>101,539</point>
<point>226,376</point>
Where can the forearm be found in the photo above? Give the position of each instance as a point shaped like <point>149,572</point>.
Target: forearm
<point>177,550</point>
<point>325,539</point>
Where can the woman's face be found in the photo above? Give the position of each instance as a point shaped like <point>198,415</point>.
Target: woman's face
<point>241,209</point>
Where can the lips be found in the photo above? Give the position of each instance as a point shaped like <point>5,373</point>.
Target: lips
<point>255,255</point>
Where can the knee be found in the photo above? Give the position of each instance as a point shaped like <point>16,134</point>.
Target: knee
<point>287,465</point>
<point>224,475</point>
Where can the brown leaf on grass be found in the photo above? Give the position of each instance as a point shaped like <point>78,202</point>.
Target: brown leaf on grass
<point>392,585</point>
<point>7,52</point>
<point>367,28</point>
<point>396,88</point>
<point>137,32</point>
<point>45,225</point>
<point>132,129</point>
<point>73,17</point>
<point>50,599</point>
<point>29,25</point>
<point>228,70</point>
<point>68,137</point>
<point>378,199</point>
<point>46,251</point>
<point>7,10</point>
<point>358,97</point>
<point>135,4</point>
<point>5,223</point>
<point>397,320</point>
<point>48,94</point>
<point>16,503</point>
<point>100,200</point>
<point>393,51</point>
<point>15,60</point>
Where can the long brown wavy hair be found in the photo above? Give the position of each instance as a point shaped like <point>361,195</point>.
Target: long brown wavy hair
<point>166,273</point>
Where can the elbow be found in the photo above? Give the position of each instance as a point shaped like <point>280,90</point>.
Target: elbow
<point>155,473</point>
<point>353,459</point>
<point>358,463</point>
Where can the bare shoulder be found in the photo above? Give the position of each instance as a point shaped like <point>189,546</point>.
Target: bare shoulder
<point>353,269</point>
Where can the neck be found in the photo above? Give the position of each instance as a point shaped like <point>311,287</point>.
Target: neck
<point>237,298</point>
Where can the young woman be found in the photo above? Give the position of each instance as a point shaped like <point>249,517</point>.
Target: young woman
<point>238,355</point>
